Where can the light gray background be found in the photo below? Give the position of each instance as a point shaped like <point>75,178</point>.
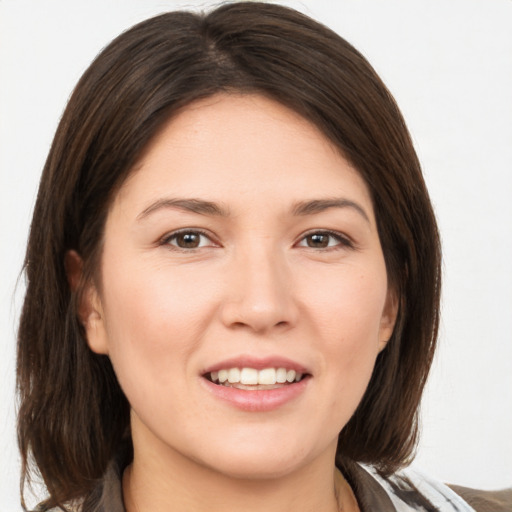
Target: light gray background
<point>449,65</point>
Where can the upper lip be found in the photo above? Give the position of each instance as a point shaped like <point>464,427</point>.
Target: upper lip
<point>258,363</point>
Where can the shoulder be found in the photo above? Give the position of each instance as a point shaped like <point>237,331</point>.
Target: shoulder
<point>43,508</point>
<point>105,496</point>
<point>410,490</point>
<point>486,501</point>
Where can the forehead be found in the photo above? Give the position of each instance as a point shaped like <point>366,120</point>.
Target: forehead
<point>243,149</point>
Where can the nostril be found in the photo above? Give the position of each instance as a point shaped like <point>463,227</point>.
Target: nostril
<point>238,325</point>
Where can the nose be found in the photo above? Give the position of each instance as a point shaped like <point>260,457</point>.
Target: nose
<point>259,293</point>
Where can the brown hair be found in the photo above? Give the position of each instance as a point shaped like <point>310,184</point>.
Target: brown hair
<point>73,416</point>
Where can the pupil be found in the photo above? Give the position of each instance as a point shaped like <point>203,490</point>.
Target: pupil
<point>318,240</point>
<point>188,240</point>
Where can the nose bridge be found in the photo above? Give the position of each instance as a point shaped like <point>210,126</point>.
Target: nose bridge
<point>260,292</point>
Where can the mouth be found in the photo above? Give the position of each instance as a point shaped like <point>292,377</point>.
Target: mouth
<point>257,384</point>
<point>252,379</point>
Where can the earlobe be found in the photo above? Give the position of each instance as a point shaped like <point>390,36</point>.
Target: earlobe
<point>92,318</point>
<point>388,319</point>
<point>89,307</point>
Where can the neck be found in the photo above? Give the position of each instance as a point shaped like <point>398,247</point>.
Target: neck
<point>276,496</point>
<point>166,480</point>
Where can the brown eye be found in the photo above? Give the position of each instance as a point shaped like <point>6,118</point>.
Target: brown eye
<point>325,240</point>
<point>188,240</point>
<point>318,240</point>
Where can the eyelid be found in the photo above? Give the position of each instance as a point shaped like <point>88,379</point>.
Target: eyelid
<point>165,240</point>
<point>344,240</point>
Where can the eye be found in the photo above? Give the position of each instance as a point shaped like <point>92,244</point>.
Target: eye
<point>188,239</point>
<point>324,240</point>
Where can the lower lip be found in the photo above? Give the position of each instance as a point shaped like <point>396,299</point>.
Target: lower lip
<point>261,400</point>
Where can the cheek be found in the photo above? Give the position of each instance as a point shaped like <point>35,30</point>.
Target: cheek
<point>348,305</point>
<point>151,321</point>
<point>348,319</point>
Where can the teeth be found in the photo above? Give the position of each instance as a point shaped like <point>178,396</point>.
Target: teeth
<point>281,375</point>
<point>233,375</point>
<point>253,377</point>
<point>267,376</point>
<point>249,376</point>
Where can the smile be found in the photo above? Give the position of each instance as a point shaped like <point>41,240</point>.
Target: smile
<point>257,384</point>
<point>253,379</point>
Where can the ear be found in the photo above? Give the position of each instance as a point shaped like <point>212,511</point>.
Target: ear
<point>73,266</point>
<point>388,319</point>
<point>89,307</point>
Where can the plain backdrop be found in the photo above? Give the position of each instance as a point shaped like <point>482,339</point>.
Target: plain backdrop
<point>449,65</point>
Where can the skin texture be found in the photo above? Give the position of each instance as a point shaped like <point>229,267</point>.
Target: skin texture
<point>257,285</point>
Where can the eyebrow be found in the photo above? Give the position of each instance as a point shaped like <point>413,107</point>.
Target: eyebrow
<point>202,207</point>
<point>320,205</point>
<point>190,205</point>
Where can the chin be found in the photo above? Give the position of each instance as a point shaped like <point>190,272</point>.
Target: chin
<point>257,468</point>
<point>257,460</point>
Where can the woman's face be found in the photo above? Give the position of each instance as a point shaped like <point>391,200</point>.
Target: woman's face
<point>243,246</point>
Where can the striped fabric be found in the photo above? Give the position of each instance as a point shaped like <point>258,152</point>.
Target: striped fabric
<point>409,490</point>
<point>406,491</point>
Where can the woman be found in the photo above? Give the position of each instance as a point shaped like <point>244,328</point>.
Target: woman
<point>233,278</point>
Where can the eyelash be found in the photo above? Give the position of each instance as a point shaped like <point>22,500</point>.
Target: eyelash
<point>342,240</point>
<point>167,239</point>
